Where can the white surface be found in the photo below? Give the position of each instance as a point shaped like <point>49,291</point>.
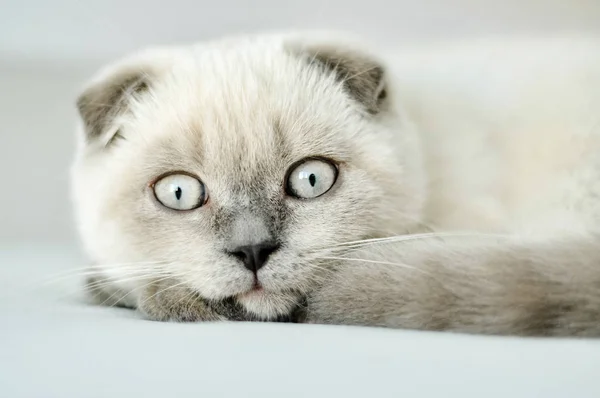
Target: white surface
<point>53,345</point>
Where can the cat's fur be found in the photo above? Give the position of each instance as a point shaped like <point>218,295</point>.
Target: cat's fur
<point>497,137</point>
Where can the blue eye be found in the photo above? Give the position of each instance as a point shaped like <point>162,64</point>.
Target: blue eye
<point>311,178</point>
<point>180,192</point>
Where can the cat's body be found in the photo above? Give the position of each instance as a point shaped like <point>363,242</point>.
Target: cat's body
<point>497,137</point>
<point>510,132</point>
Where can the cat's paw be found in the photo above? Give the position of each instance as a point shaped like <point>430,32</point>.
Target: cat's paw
<point>101,291</point>
<point>167,300</point>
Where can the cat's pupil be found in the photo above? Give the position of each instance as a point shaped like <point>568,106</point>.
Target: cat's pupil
<point>312,179</point>
<point>178,193</point>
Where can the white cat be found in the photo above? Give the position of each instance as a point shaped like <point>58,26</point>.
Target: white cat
<point>451,187</point>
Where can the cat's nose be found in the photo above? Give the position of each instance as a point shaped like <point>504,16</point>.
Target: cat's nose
<point>254,256</point>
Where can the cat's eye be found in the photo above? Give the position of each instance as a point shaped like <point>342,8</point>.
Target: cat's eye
<point>311,178</point>
<point>180,192</point>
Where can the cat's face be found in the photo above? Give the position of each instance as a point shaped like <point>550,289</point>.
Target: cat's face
<point>237,165</point>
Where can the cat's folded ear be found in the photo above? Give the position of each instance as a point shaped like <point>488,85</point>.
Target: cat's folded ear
<point>362,74</point>
<point>112,91</point>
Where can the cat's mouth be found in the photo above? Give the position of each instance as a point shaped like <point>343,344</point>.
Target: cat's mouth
<point>256,285</point>
<point>268,305</point>
<point>254,292</point>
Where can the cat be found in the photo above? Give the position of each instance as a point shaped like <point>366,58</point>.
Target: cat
<point>312,177</point>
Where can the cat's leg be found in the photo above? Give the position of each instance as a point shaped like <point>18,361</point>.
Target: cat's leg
<point>501,287</point>
<point>102,292</point>
<point>164,300</point>
<point>168,300</point>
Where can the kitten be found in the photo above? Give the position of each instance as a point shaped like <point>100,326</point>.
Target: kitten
<point>278,177</point>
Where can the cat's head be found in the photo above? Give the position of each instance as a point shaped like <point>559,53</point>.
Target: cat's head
<point>239,163</point>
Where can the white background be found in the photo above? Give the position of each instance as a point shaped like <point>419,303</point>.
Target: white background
<point>47,48</point>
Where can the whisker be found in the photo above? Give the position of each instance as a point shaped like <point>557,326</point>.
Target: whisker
<point>428,235</point>
<point>347,78</point>
<point>402,265</point>
<point>114,281</point>
<point>163,290</point>
<point>166,275</point>
<point>104,284</point>
<point>125,270</point>
<point>63,277</point>
<point>119,266</point>
<point>127,294</point>
<point>190,299</point>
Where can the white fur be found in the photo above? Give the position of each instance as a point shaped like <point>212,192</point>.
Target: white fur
<point>510,132</point>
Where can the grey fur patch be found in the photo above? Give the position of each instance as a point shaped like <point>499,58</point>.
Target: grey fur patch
<point>363,78</point>
<point>102,292</point>
<point>535,289</point>
<point>230,309</point>
<point>168,300</point>
<point>99,104</point>
<point>543,318</point>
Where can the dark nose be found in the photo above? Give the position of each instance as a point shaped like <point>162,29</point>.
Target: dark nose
<point>254,256</point>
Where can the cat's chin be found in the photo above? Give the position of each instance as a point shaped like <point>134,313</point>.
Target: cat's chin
<point>267,305</point>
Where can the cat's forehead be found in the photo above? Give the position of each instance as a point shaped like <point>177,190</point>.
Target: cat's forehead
<point>237,110</point>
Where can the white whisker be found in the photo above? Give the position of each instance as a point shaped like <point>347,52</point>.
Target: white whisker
<point>153,280</point>
<point>402,265</point>
<point>428,235</point>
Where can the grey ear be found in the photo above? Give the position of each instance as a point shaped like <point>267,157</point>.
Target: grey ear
<point>112,91</point>
<point>107,97</point>
<point>363,76</point>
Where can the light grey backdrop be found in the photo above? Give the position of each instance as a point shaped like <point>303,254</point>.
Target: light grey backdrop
<point>48,47</point>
